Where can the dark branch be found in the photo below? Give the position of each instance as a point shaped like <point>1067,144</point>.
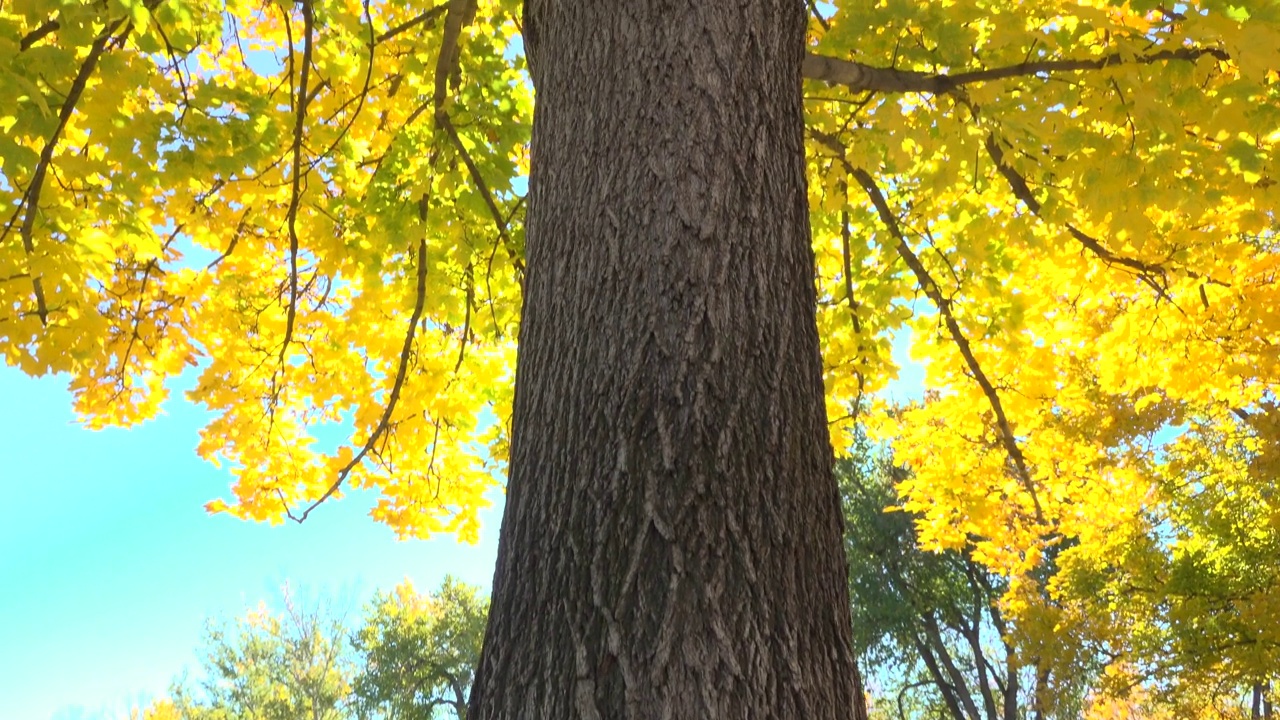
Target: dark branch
<point>858,76</point>
<point>44,30</point>
<point>466,320</point>
<point>934,293</point>
<point>498,219</point>
<point>402,371</point>
<point>1022,191</point>
<point>460,13</point>
<point>427,17</point>
<point>817,15</point>
<point>1154,275</point>
<point>845,242</point>
<point>30,203</point>
<point>295,195</point>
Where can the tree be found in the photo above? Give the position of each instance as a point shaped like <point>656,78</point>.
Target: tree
<point>315,204</point>
<point>294,665</point>
<point>419,652</point>
<point>158,709</point>
<point>411,657</point>
<point>1189,604</point>
<point>671,542</point>
<point>928,626</point>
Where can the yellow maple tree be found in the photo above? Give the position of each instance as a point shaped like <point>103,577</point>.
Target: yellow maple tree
<point>1070,205</point>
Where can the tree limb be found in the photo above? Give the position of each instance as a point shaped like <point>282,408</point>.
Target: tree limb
<point>932,291</point>
<point>1152,274</point>
<point>402,370</point>
<point>1021,190</point>
<point>945,688</point>
<point>295,193</point>
<point>49,26</point>
<point>860,77</point>
<point>428,17</point>
<point>30,203</point>
<point>460,13</point>
<point>442,119</point>
<point>958,682</point>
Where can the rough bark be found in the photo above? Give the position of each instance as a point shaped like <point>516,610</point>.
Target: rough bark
<point>671,546</point>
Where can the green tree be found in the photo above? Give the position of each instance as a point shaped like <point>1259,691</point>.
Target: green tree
<point>927,624</point>
<point>417,653</point>
<point>291,665</point>
<point>1189,605</point>
<point>1176,620</point>
<point>411,657</point>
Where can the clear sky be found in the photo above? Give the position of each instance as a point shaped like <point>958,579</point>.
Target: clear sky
<point>109,565</point>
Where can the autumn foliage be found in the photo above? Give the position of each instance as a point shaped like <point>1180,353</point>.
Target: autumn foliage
<point>1068,208</point>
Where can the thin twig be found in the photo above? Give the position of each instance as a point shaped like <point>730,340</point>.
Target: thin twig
<point>845,242</point>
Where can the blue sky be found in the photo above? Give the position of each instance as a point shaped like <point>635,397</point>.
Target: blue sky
<point>109,565</point>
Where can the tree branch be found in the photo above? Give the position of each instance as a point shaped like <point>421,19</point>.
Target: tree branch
<point>442,118</point>
<point>461,13</point>
<point>931,289</point>
<point>945,688</point>
<point>427,17</point>
<point>933,634</point>
<point>1022,191</point>
<point>1154,275</point>
<point>817,15</point>
<point>845,242</point>
<point>295,193</point>
<point>41,32</point>
<point>30,203</point>
<point>859,77</point>
<point>402,370</point>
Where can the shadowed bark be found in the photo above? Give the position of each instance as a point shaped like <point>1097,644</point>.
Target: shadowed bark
<point>672,540</point>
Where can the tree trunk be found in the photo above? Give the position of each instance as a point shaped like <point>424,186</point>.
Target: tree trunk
<point>671,546</point>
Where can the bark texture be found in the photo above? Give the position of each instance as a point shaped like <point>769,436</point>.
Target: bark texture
<point>672,540</point>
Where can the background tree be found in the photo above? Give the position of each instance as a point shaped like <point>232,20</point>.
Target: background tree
<point>158,709</point>
<point>294,665</point>
<point>928,626</point>
<point>1189,602</point>
<point>418,653</point>
<point>411,656</point>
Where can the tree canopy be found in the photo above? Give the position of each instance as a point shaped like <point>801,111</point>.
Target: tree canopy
<point>1068,206</point>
